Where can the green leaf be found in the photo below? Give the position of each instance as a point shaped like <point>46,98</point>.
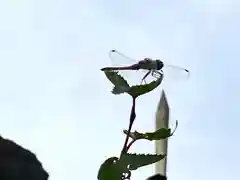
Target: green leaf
<point>119,90</point>
<point>136,161</point>
<point>138,90</point>
<point>109,170</point>
<point>159,134</point>
<point>162,133</point>
<point>120,84</point>
<point>113,169</point>
<point>134,135</point>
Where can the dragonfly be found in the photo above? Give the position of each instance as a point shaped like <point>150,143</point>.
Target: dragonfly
<point>154,67</point>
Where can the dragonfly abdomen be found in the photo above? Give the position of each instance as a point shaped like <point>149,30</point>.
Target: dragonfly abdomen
<point>133,67</point>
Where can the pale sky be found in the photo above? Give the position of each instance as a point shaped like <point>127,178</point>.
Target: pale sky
<point>55,101</point>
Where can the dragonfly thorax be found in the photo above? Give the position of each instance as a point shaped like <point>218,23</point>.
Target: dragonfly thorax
<point>150,64</point>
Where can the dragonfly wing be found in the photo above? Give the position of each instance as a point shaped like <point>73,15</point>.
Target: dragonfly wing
<point>119,59</point>
<point>175,72</point>
<point>136,77</point>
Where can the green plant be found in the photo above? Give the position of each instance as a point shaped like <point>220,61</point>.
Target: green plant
<point>119,168</point>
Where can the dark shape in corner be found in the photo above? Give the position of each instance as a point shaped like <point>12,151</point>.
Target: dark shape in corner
<point>157,177</point>
<point>18,163</point>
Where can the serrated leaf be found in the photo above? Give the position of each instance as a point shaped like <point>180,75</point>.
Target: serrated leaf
<point>136,161</point>
<point>162,133</point>
<point>113,169</point>
<point>157,135</point>
<point>138,90</point>
<point>134,135</point>
<point>119,90</point>
<point>120,84</point>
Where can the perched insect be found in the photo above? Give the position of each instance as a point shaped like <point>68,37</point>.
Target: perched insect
<point>154,67</point>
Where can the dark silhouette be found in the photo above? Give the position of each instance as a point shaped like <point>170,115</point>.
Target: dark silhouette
<point>157,177</point>
<point>18,163</point>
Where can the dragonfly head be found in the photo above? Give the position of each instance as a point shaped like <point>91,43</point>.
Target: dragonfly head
<point>159,64</point>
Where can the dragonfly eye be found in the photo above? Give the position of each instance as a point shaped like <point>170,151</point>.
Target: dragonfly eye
<point>147,60</point>
<point>159,64</point>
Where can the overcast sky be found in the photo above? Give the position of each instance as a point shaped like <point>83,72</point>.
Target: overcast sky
<point>55,101</point>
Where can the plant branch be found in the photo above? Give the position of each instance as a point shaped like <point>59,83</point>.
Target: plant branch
<point>130,144</point>
<point>131,121</point>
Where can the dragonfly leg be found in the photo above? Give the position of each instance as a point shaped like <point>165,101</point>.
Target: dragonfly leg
<point>144,77</point>
<point>145,81</point>
<point>154,74</point>
<point>157,74</point>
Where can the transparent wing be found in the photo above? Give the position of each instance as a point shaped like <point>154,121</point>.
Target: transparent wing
<point>119,59</point>
<point>175,73</point>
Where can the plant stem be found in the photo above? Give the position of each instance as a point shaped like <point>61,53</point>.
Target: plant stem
<point>131,121</point>
<point>130,144</point>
